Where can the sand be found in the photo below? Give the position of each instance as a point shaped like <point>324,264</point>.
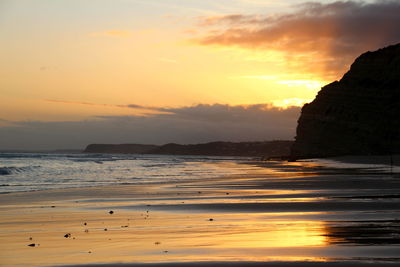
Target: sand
<point>278,214</point>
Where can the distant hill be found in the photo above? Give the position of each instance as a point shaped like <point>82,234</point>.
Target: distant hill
<point>267,148</point>
<point>358,115</point>
<point>119,149</point>
<point>261,149</point>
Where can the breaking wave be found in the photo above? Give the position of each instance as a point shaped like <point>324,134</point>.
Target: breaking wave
<point>13,170</point>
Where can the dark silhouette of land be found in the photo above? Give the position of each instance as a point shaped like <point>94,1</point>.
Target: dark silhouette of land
<point>120,148</point>
<point>260,149</point>
<point>358,115</point>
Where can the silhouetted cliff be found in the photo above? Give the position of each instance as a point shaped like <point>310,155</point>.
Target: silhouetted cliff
<point>359,115</point>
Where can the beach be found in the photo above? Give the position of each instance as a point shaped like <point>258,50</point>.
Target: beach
<point>307,213</point>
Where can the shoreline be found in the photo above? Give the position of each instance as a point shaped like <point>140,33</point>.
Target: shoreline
<point>283,213</point>
<point>379,164</point>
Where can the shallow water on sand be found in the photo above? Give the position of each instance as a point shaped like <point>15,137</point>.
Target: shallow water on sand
<point>272,211</point>
<point>21,172</point>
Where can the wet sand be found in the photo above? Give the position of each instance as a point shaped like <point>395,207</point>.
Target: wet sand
<point>278,214</point>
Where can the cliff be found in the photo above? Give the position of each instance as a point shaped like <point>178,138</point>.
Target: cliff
<point>262,149</point>
<point>358,115</point>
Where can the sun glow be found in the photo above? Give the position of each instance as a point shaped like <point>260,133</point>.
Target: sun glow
<point>311,85</point>
<point>290,102</point>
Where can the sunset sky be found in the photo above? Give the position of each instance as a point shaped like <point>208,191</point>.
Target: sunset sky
<point>74,72</point>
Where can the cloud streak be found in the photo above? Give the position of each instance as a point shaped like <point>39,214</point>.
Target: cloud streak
<point>334,33</point>
<point>129,106</point>
<point>193,124</point>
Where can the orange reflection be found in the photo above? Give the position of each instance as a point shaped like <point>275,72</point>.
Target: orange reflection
<point>140,236</point>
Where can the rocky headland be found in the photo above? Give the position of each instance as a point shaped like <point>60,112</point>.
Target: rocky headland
<point>358,115</point>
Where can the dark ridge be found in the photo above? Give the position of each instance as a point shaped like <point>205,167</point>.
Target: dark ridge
<point>119,149</point>
<point>358,115</point>
<point>267,148</point>
<point>256,149</point>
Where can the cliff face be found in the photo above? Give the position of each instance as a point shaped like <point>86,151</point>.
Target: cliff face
<point>358,115</point>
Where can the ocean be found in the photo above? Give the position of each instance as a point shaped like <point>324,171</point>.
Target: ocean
<point>22,172</point>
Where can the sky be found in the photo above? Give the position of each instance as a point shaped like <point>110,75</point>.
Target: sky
<point>75,72</point>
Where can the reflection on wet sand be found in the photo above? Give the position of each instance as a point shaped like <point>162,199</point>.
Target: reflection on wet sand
<point>269,214</point>
<point>363,233</point>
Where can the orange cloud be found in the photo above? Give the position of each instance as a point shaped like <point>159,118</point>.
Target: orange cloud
<point>316,36</point>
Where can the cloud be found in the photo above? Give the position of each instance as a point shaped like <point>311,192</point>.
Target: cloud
<point>328,36</point>
<point>82,103</point>
<point>192,124</point>
<point>130,106</point>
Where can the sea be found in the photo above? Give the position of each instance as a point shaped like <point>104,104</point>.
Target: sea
<point>22,172</point>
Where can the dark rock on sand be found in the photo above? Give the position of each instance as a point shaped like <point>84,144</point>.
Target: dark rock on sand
<point>358,115</point>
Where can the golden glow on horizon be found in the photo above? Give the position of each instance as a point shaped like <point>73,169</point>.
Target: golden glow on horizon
<point>140,65</point>
<point>312,85</point>
<point>290,102</point>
